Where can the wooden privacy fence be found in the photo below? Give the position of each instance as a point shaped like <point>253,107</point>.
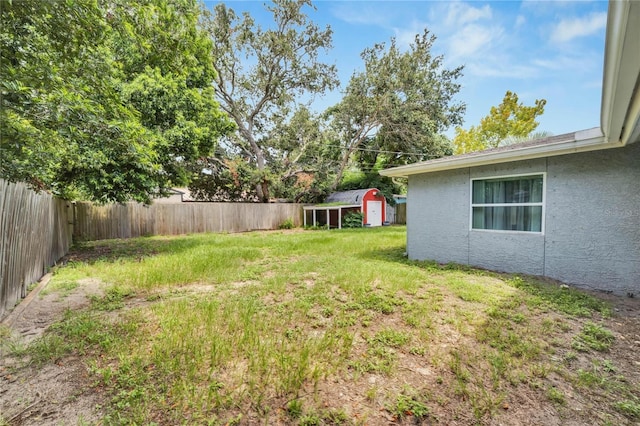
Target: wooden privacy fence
<point>35,232</point>
<point>36,229</point>
<point>401,213</point>
<point>128,220</point>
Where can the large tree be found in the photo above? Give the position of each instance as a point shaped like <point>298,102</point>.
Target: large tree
<point>305,154</point>
<point>104,101</point>
<point>507,123</point>
<point>261,71</point>
<point>401,102</point>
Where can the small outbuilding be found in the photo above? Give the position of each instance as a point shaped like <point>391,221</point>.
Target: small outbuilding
<point>370,202</point>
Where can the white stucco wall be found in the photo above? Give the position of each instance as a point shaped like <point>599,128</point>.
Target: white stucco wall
<point>591,236</point>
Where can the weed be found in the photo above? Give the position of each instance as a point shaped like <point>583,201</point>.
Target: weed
<point>589,378</point>
<point>593,336</point>
<point>418,350</point>
<point>569,357</point>
<point>310,419</point>
<point>457,368</point>
<point>287,224</point>
<point>371,394</point>
<point>378,359</point>
<point>564,299</point>
<point>608,366</point>
<point>62,287</point>
<point>389,337</point>
<point>5,332</point>
<point>556,396</point>
<point>407,406</point>
<point>112,300</point>
<point>294,408</point>
<point>334,417</point>
<point>630,408</point>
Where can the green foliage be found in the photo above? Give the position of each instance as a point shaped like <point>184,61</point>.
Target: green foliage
<point>391,338</point>
<point>556,396</point>
<point>507,122</point>
<point>83,84</point>
<point>593,336</point>
<point>565,299</point>
<point>303,157</point>
<point>372,179</point>
<point>294,408</point>
<point>404,98</point>
<point>287,224</point>
<point>223,178</point>
<point>407,406</point>
<point>353,220</point>
<point>630,408</point>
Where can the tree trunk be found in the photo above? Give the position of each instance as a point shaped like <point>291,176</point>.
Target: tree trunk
<point>262,187</point>
<point>343,165</point>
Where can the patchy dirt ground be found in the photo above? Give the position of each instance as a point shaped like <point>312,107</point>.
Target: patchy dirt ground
<point>58,394</point>
<point>61,394</point>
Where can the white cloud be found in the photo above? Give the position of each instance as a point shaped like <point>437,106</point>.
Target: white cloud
<point>569,29</point>
<point>462,13</point>
<point>472,40</point>
<point>520,21</point>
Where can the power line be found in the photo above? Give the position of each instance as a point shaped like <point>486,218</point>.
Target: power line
<point>345,148</point>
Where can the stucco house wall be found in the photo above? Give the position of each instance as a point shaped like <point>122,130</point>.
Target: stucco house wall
<point>591,231</point>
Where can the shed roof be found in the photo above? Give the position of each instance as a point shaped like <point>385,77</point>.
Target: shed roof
<point>348,197</point>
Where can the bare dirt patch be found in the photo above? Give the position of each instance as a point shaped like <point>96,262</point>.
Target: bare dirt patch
<point>54,394</point>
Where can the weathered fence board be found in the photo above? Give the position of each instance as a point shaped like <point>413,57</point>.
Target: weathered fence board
<point>35,232</point>
<point>36,229</point>
<point>401,213</point>
<point>93,222</point>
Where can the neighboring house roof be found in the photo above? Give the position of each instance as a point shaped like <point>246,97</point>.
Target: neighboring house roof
<point>348,197</point>
<point>175,195</point>
<point>620,110</point>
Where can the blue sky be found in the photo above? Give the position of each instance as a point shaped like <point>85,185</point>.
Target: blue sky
<point>539,49</point>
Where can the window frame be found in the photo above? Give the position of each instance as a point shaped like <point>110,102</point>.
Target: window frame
<point>536,204</point>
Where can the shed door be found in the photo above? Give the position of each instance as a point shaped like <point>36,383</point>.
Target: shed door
<point>374,213</point>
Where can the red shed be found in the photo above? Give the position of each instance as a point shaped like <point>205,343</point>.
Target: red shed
<point>370,202</point>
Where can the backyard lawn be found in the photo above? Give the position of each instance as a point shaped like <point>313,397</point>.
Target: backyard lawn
<point>322,327</point>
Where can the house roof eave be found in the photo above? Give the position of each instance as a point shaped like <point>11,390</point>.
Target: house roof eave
<point>582,141</point>
<point>620,109</point>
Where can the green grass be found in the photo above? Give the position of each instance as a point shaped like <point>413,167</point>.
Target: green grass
<point>239,327</point>
<point>593,336</point>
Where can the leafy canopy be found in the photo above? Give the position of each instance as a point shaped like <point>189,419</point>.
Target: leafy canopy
<point>507,122</point>
<point>105,101</point>
<point>400,103</point>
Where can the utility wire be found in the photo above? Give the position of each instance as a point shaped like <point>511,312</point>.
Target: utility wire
<point>345,148</point>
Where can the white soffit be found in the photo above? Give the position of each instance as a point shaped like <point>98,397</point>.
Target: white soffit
<point>620,113</point>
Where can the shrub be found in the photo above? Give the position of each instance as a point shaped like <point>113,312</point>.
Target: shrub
<point>353,220</point>
<point>287,224</point>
